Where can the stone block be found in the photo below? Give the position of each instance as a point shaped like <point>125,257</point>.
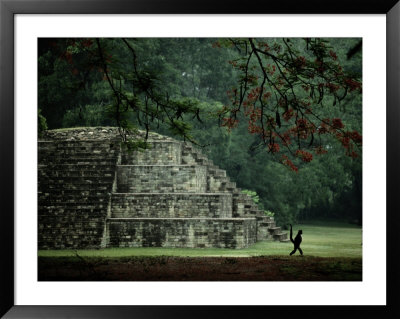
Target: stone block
<point>161,178</point>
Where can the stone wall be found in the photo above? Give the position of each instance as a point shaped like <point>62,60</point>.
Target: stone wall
<point>161,178</point>
<point>169,205</point>
<point>160,152</point>
<point>182,232</point>
<point>74,184</point>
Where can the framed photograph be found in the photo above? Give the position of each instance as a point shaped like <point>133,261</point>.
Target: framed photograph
<point>267,36</point>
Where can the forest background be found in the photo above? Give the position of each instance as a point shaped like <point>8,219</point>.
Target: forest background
<point>81,82</point>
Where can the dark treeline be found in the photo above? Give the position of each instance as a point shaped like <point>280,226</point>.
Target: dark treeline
<point>182,86</point>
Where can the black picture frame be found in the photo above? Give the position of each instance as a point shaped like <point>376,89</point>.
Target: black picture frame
<point>9,8</point>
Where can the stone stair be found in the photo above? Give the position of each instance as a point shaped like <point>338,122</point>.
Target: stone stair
<point>243,205</point>
<point>75,181</point>
<point>167,202</point>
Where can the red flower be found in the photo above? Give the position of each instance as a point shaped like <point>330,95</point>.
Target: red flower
<point>356,137</point>
<point>352,84</point>
<point>337,123</point>
<point>320,65</point>
<point>288,115</point>
<point>320,150</point>
<point>253,128</point>
<point>301,124</point>
<point>267,95</point>
<point>229,122</point>
<point>286,161</point>
<point>305,156</point>
<point>353,154</point>
<point>300,62</point>
<point>273,70</point>
<point>345,141</point>
<point>274,147</point>
<point>332,87</point>
<point>286,138</point>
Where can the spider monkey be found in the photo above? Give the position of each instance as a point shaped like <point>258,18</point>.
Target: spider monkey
<point>297,240</point>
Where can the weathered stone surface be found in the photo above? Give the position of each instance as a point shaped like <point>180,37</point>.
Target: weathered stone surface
<point>92,193</point>
<point>169,205</point>
<point>161,178</point>
<point>182,232</point>
<point>160,152</point>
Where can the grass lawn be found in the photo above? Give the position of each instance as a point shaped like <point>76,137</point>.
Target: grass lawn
<point>319,240</point>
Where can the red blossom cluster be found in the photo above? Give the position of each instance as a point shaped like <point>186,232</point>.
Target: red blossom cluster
<point>273,147</point>
<point>286,161</point>
<point>285,137</point>
<point>270,122</point>
<point>229,123</point>
<point>337,123</point>
<point>332,87</point>
<point>229,93</point>
<point>288,114</point>
<point>254,114</point>
<point>304,155</point>
<point>256,99</point>
<point>301,124</point>
<point>352,84</point>
<point>320,65</point>
<point>300,62</point>
<point>353,154</point>
<point>253,128</point>
<point>303,128</point>
<point>356,137</point>
<point>345,139</point>
<point>333,55</point>
<point>324,127</point>
<point>272,70</point>
<point>308,110</point>
<point>233,63</point>
<point>320,150</point>
<point>252,79</point>
<point>305,103</point>
<point>253,94</point>
<point>267,95</point>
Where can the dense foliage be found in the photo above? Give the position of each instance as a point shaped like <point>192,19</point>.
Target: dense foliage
<point>253,104</point>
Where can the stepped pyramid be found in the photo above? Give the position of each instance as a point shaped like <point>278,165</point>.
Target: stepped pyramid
<point>93,194</point>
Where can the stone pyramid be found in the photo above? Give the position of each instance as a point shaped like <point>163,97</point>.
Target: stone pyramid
<point>93,194</point>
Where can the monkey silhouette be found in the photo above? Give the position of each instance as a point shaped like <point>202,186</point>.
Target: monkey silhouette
<point>297,241</point>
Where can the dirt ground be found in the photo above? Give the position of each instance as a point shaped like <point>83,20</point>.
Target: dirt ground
<point>199,269</point>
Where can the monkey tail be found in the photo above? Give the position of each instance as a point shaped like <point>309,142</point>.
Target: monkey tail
<point>291,234</point>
